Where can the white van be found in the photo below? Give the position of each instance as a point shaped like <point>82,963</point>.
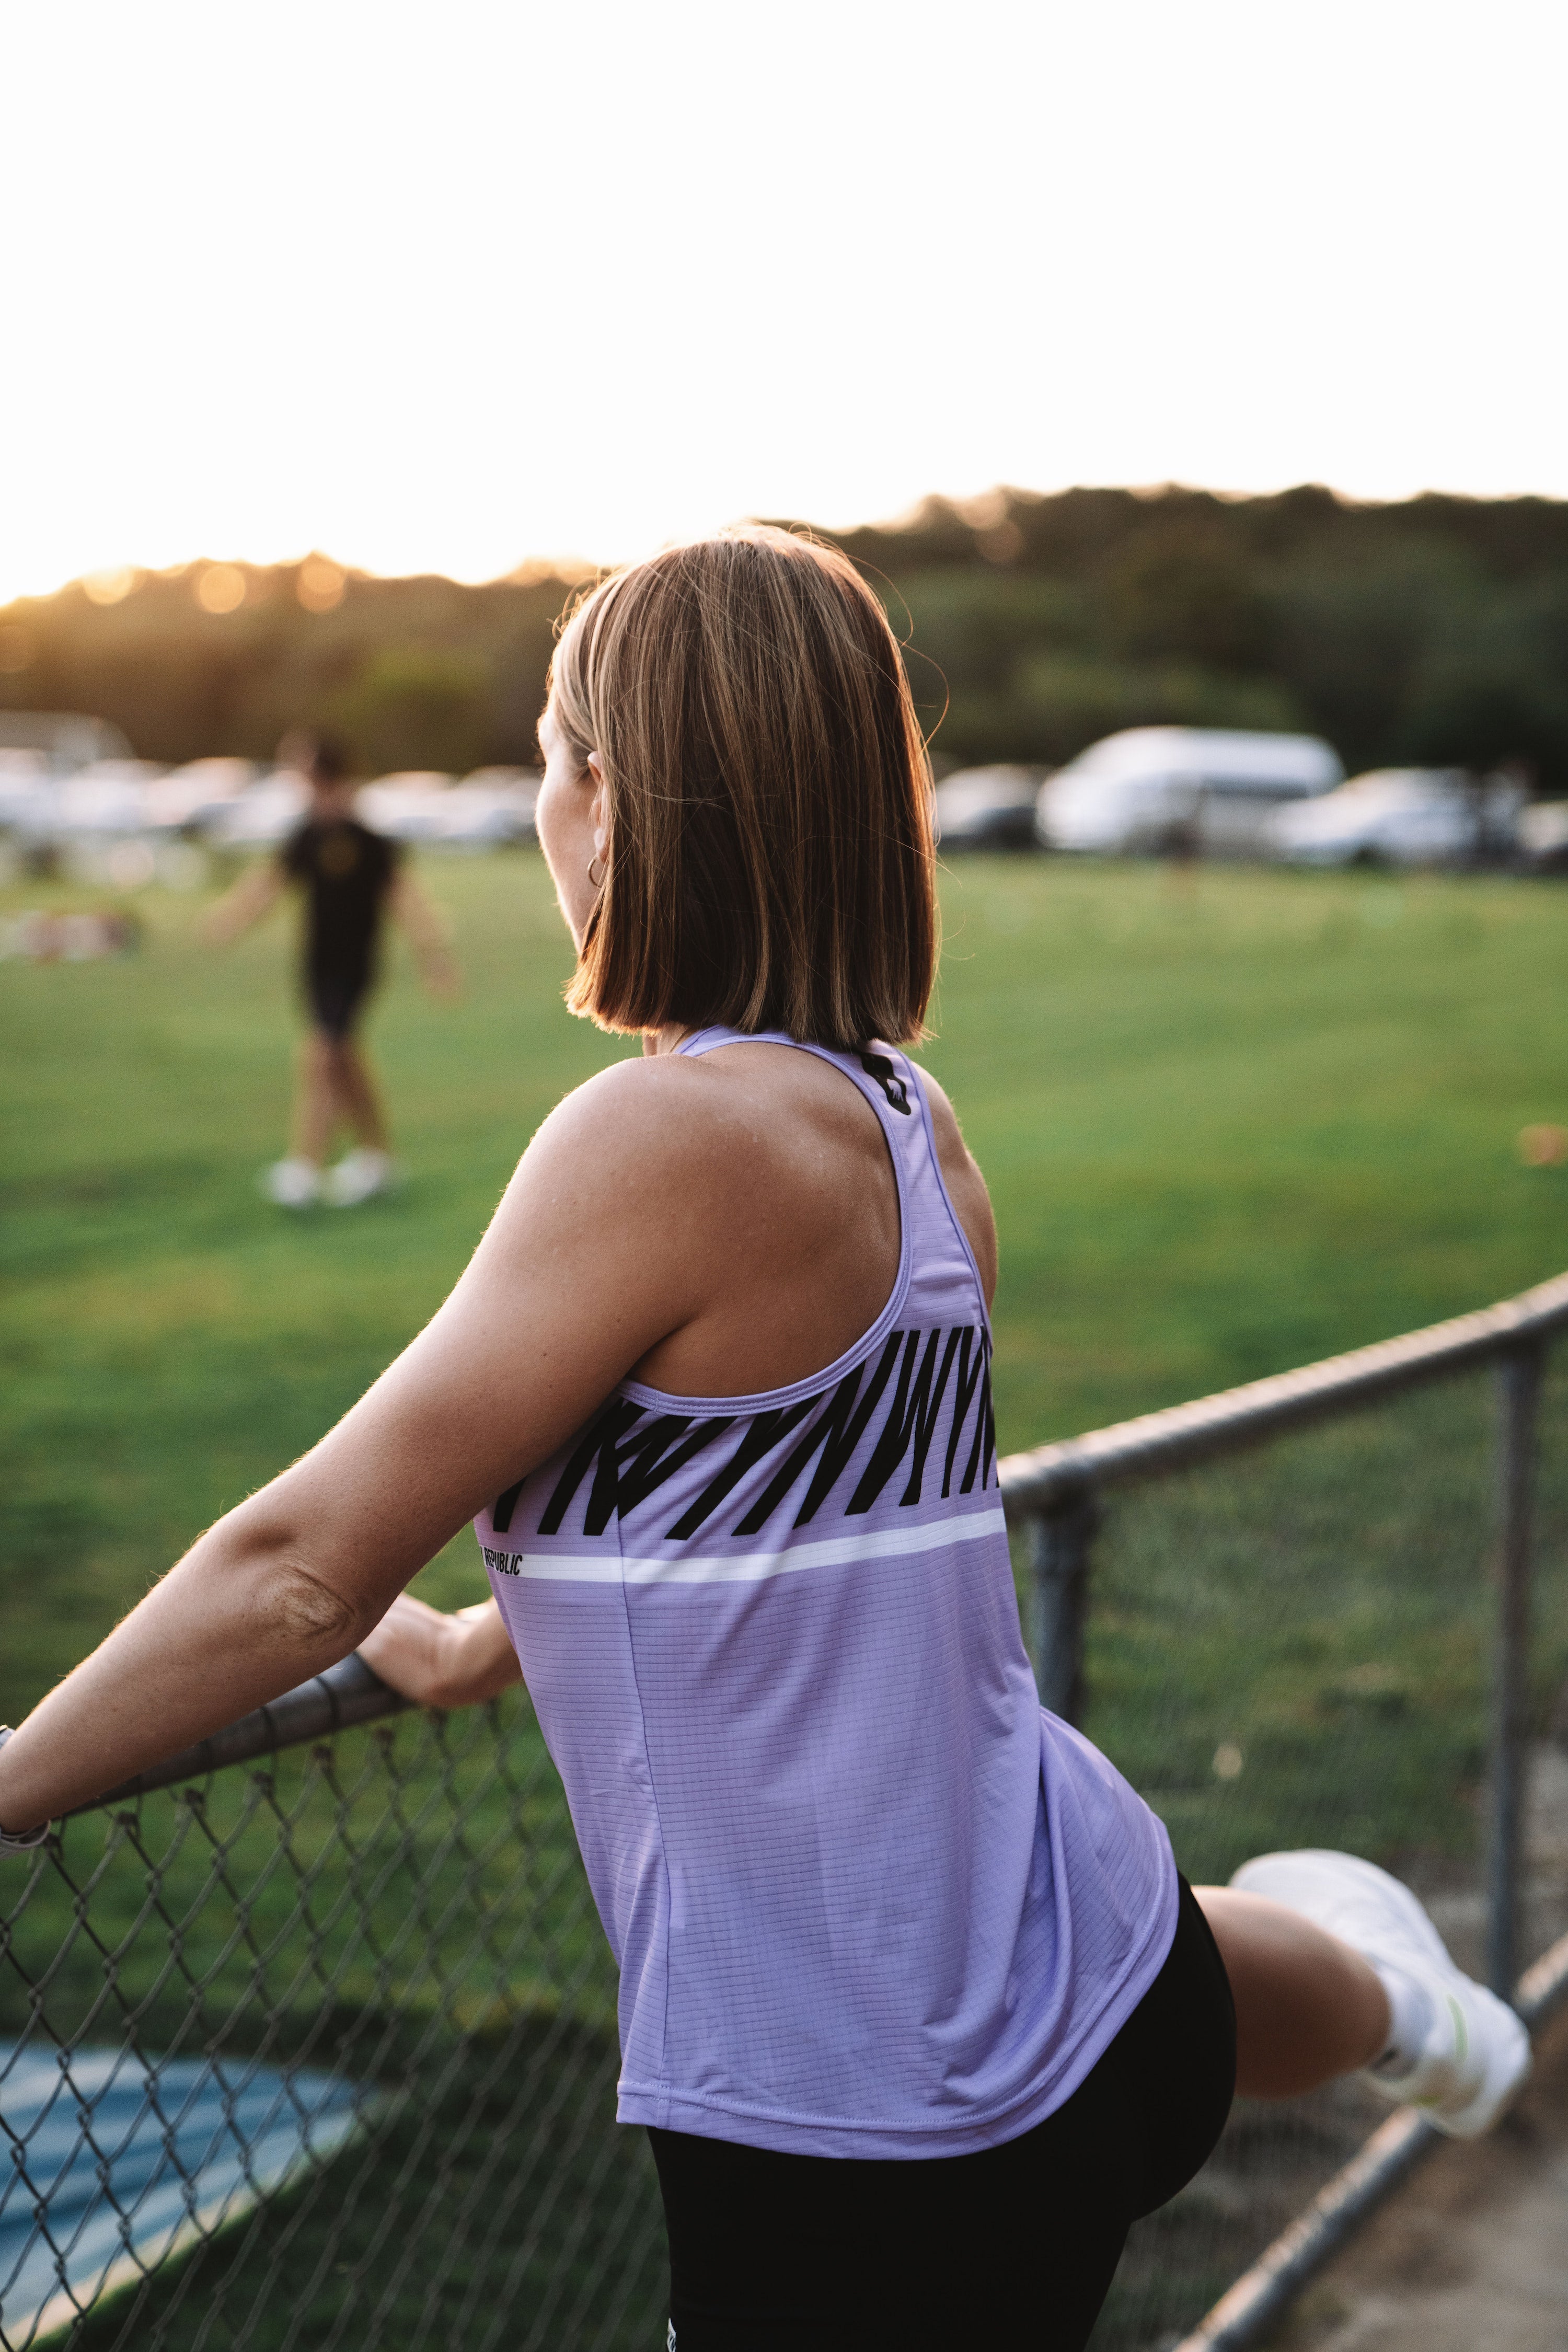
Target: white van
<point>1212,791</point>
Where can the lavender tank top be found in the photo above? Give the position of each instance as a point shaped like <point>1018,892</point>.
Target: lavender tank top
<point>866,1898</point>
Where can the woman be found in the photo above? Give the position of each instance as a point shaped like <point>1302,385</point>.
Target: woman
<point>914,2006</point>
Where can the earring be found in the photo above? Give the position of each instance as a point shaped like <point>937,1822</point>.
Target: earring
<point>596,879</point>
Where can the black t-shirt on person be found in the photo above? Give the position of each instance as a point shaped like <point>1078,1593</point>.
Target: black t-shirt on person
<point>346,872</point>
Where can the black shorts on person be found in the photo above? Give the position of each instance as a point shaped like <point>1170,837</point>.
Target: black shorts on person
<point>1010,2246</point>
<point>346,872</point>
<point>334,999</point>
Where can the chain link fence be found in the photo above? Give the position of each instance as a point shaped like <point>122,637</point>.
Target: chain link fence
<point>321,2050</point>
<point>309,2041</point>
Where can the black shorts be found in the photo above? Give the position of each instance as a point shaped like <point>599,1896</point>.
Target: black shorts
<point>335,1000</point>
<point>1013,2245</point>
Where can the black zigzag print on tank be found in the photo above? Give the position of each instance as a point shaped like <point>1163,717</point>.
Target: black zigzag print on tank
<point>629,1463</point>
<point>631,1454</point>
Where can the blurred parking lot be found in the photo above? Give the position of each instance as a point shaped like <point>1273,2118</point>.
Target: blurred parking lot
<point>1188,792</point>
<point>116,823</point>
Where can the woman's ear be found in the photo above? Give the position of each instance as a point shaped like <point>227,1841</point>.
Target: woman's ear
<point>599,809</point>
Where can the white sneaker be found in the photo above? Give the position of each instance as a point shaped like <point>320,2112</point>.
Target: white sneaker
<point>1470,2052</point>
<point>292,1183</point>
<point>357,1177</point>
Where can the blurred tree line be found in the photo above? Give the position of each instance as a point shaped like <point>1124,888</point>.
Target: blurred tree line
<point>413,672</point>
<point>1434,631</point>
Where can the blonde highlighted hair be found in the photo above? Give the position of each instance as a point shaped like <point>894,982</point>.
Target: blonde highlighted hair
<point>770,858</point>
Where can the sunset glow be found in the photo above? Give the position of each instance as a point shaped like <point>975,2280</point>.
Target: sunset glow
<point>450,291</point>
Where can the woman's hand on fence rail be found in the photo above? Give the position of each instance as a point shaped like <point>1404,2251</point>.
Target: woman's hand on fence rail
<point>439,1659</point>
<point>20,1841</point>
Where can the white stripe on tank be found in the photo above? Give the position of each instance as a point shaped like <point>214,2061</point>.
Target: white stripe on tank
<point>747,1568</point>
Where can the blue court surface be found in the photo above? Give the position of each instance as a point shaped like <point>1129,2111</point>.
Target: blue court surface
<point>112,2162</point>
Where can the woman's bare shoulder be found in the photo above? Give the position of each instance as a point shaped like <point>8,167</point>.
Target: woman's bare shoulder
<point>643,1142</point>
<point>951,1149</point>
<point>603,1241</point>
<point>657,1106</point>
<point>965,1184</point>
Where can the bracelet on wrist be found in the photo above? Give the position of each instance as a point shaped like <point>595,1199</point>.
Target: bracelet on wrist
<point>20,1841</point>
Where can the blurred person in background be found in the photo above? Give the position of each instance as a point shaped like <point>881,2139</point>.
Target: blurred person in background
<point>350,876</point>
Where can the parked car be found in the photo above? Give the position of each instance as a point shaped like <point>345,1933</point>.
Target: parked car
<point>1403,817</point>
<point>491,808</point>
<point>518,780</point>
<point>28,797</point>
<point>1204,790</point>
<point>83,815</point>
<point>405,807</point>
<point>190,799</point>
<point>262,817</point>
<point>987,808</point>
<point>514,792</point>
<point>1542,835</point>
<point>107,796</point>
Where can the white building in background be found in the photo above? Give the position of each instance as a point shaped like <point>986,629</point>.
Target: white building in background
<point>1215,790</point>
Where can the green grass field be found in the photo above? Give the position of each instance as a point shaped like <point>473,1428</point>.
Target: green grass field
<point>1228,1128</point>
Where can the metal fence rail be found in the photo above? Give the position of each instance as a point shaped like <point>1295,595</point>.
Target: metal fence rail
<point>307,2039</point>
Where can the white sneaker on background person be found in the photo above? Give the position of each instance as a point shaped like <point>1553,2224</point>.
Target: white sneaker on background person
<point>292,1183</point>
<point>358,1176</point>
<point>1456,2050</point>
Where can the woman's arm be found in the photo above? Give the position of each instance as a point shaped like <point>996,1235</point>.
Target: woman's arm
<point>442,1660</point>
<point>597,1251</point>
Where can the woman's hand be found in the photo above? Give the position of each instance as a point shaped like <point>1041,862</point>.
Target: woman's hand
<point>15,1841</point>
<point>440,1660</point>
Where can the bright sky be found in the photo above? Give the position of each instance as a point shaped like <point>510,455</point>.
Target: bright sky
<point>445,286</point>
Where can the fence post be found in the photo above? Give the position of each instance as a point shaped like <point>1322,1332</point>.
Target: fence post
<point>1059,1541</point>
<point>1518,1395</point>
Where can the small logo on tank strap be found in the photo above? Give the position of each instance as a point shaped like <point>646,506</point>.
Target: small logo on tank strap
<point>878,1067</point>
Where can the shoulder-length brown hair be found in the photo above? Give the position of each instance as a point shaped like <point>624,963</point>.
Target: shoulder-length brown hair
<point>770,858</point>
